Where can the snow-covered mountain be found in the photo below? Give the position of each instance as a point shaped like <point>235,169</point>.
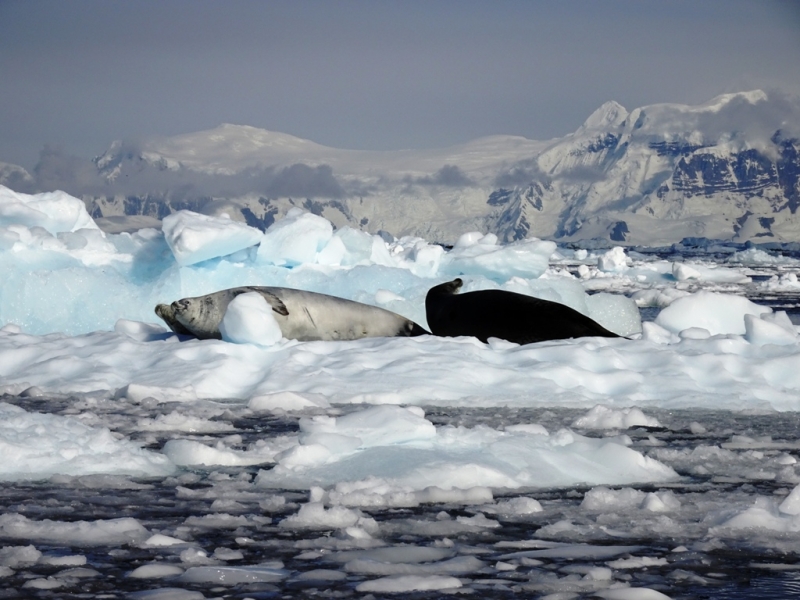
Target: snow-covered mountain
<point>727,169</point>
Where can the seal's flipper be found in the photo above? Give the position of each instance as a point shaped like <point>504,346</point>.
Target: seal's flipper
<point>276,303</point>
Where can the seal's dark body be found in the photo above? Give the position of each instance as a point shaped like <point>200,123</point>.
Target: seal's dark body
<point>505,315</point>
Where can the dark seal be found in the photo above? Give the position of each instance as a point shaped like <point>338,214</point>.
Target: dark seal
<point>505,315</point>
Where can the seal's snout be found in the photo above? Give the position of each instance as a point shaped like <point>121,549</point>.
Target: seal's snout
<point>180,304</point>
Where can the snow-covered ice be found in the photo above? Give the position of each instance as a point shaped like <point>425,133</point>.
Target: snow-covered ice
<point>387,465</point>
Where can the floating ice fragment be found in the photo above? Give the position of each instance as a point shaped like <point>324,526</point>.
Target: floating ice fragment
<point>791,504</point>
<point>54,211</point>
<point>756,257</point>
<point>409,454</point>
<point>605,499</point>
<point>696,428</point>
<point>460,565</point>
<point>471,495</point>
<point>408,583</point>
<point>136,392</point>
<point>479,520</point>
<point>190,452</point>
<point>521,505</point>
<point>49,583</point>
<point>76,533</point>
<point>376,426</point>
<point>638,562</point>
<point>598,574</point>
<point>395,554</point>
<point>159,539</point>
<point>615,312</point>
<point>665,501</point>
<point>194,237</point>
<point>20,556</point>
<point>36,446</point>
<point>228,554</point>
<point>764,514</point>
<point>604,417</point>
<point>314,515</point>
<point>717,313</point>
<point>155,571</point>
<point>195,556</point>
<point>658,297</point>
<point>573,551</point>
<point>177,421</point>
<point>296,239</point>
<point>69,560</point>
<point>287,401</point>
<point>683,272</point>
<point>761,331</point>
<point>166,594</point>
<point>630,593</point>
<point>479,254</point>
<point>532,428</point>
<point>613,261</point>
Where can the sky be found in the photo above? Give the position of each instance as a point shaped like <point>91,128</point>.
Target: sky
<point>369,75</point>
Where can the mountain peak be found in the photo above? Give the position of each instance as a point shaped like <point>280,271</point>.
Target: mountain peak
<point>229,132</point>
<point>611,114</point>
<point>721,101</point>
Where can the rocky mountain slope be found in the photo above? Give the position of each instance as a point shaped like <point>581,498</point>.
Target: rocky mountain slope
<point>727,169</point>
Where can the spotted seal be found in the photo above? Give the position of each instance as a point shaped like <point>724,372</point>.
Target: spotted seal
<point>301,315</point>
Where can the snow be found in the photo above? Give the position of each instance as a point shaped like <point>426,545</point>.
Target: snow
<point>338,447</point>
<point>249,320</point>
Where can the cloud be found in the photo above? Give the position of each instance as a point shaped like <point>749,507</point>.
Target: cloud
<point>753,120</point>
<point>521,173</point>
<point>300,180</point>
<point>58,170</point>
<point>123,171</point>
<point>447,176</point>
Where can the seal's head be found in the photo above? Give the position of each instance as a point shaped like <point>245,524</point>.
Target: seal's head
<point>201,315</point>
<point>166,312</point>
<point>446,289</point>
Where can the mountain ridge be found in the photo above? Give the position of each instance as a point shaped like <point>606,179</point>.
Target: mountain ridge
<point>728,168</point>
